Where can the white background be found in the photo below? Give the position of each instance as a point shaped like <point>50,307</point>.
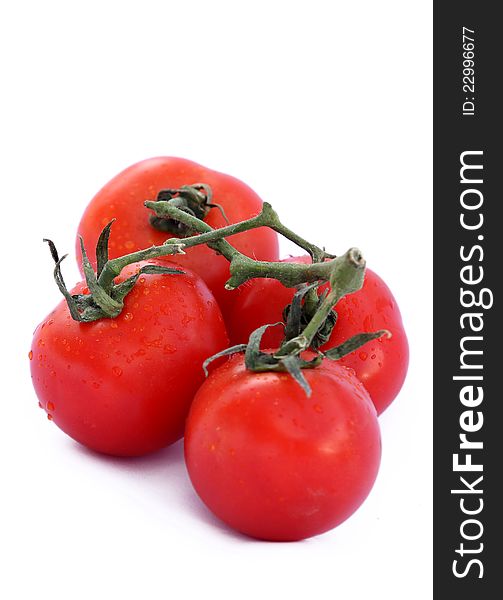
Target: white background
<point>324,108</point>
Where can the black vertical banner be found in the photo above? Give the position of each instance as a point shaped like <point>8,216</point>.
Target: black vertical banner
<point>468,324</point>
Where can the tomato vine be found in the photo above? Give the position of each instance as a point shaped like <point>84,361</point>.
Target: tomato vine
<point>179,210</point>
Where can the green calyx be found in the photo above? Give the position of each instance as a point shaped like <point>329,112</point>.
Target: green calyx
<point>297,315</point>
<point>101,301</point>
<point>194,200</point>
<point>293,363</point>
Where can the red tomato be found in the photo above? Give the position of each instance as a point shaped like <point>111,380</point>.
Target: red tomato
<point>122,198</point>
<point>275,464</point>
<point>380,365</point>
<point>124,386</point>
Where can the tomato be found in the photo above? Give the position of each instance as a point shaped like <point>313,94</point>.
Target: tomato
<point>122,198</point>
<point>274,463</point>
<point>381,365</point>
<point>123,386</point>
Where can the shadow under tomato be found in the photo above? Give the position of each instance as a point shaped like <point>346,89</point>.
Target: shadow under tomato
<point>165,474</point>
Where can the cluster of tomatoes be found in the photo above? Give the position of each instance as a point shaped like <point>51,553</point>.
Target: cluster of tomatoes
<point>269,460</point>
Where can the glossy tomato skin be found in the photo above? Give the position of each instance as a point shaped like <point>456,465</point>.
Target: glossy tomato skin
<point>124,386</point>
<point>122,198</point>
<point>275,464</point>
<point>380,365</point>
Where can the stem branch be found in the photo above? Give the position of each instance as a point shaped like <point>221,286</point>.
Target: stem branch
<point>242,267</point>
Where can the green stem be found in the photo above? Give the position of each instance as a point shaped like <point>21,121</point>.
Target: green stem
<point>242,268</point>
<point>211,237</point>
<point>268,217</point>
<point>316,253</point>
<point>113,267</point>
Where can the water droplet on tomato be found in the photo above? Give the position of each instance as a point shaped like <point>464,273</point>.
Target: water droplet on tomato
<point>146,292</point>
<point>51,406</point>
<point>50,417</point>
<point>50,321</point>
<point>113,325</point>
<point>373,357</point>
<point>128,317</point>
<point>53,373</point>
<point>96,385</point>
<point>117,371</point>
<point>30,355</point>
<point>40,405</point>
<point>363,355</point>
